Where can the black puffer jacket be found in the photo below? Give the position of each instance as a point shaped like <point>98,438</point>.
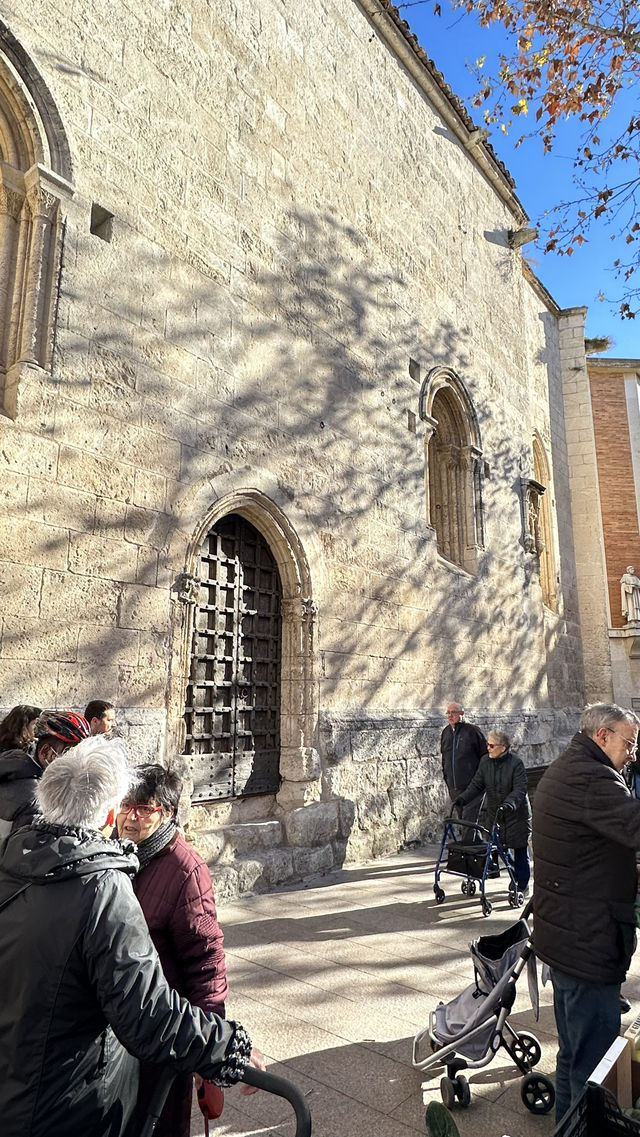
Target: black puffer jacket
<point>460,764</point>
<point>83,991</point>
<point>504,780</point>
<point>586,827</point>
<point>19,775</point>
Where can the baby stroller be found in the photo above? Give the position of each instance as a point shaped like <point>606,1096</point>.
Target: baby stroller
<point>476,859</point>
<point>467,1032</point>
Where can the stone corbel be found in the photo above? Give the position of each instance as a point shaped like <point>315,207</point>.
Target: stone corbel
<point>187,588</point>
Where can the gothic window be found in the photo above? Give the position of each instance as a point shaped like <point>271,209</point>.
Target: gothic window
<point>34,173</point>
<point>232,709</point>
<point>542,529</point>
<point>454,470</point>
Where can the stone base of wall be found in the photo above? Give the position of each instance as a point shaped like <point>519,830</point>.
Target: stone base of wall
<point>382,789</point>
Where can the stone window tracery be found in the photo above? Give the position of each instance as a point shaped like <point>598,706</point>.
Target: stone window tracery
<point>34,173</point>
<point>453,468</point>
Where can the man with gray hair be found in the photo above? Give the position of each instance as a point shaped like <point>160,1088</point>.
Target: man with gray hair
<point>84,996</point>
<point>586,829</point>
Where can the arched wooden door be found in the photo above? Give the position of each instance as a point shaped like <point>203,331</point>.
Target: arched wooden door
<point>232,709</point>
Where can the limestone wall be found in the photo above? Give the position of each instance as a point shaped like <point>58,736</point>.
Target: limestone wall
<point>298,238</point>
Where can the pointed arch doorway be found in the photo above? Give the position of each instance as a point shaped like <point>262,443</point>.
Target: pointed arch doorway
<point>232,706</point>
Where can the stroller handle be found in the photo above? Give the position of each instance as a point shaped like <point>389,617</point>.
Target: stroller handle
<point>467,825</point>
<point>283,1089</point>
<point>259,1078</point>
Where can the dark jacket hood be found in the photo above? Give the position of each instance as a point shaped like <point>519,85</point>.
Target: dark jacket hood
<point>16,765</point>
<point>41,853</point>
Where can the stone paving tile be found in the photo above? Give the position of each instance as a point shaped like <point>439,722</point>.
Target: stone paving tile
<point>333,978</point>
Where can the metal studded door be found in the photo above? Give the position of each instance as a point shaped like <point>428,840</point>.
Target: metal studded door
<point>232,709</point>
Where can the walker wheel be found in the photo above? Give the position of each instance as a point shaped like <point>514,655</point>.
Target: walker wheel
<point>448,1092</point>
<point>538,1093</point>
<point>527,1048</point>
<point>439,894</point>
<point>471,888</point>
<point>463,1092</point>
<point>464,887</point>
<point>487,907</point>
<point>516,899</point>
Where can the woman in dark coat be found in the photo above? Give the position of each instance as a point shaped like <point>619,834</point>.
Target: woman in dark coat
<point>176,897</point>
<point>503,778</point>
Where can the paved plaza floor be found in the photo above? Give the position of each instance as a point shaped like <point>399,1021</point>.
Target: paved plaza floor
<point>334,977</point>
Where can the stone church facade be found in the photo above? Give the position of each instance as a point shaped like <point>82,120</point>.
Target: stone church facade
<point>283,442</point>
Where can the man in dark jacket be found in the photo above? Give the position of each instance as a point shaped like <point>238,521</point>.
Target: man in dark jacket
<point>83,993</point>
<point>19,772</point>
<point>586,828</point>
<point>462,746</point>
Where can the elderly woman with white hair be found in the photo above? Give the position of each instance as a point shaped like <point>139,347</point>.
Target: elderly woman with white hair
<point>503,778</point>
<point>84,996</point>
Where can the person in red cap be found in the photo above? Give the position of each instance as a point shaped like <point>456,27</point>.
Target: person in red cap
<point>55,732</point>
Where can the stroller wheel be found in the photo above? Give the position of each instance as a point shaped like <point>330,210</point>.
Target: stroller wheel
<point>439,894</point>
<point>527,1048</point>
<point>487,907</point>
<point>463,1093</point>
<point>448,1092</point>
<point>538,1093</point>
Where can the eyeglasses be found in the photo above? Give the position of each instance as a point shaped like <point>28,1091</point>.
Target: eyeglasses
<point>137,810</point>
<point>630,743</point>
<point>492,745</point>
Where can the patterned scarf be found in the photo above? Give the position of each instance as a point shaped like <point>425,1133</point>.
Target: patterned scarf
<point>154,844</point>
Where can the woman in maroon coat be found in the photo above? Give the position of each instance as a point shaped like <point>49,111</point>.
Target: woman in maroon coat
<point>175,894</point>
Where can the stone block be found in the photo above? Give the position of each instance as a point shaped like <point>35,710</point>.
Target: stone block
<point>239,840</point>
<point>295,795</point>
<point>92,601</point>
<point>143,608</point>
<point>19,589</point>
<point>306,862</point>
<point>35,683</point>
<point>315,824</point>
<point>374,812</point>
<point>300,764</point>
<point>34,543</point>
<point>101,557</point>
<point>277,866</point>
<point>78,683</point>
<point>108,645</point>
<point>103,476</point>
<point>226,883</point>
<point>33,639</point>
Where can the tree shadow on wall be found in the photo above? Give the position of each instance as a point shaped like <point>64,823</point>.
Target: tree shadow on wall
<point>294,360</point>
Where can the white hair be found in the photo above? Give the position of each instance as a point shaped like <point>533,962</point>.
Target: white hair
<point>605,714</point>
<point>81,785</point>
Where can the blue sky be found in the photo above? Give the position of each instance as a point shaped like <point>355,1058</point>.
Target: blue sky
<point>455,40</point>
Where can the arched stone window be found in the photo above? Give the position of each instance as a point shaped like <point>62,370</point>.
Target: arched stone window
<point>453,467</point>
<point>544,531</point>
<point>35,170</point>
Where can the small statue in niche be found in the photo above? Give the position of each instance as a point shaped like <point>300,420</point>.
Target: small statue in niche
<point>630,596</point>
<point>533,539</point>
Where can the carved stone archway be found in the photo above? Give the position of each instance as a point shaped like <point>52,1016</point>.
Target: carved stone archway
<point>299,761</point>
